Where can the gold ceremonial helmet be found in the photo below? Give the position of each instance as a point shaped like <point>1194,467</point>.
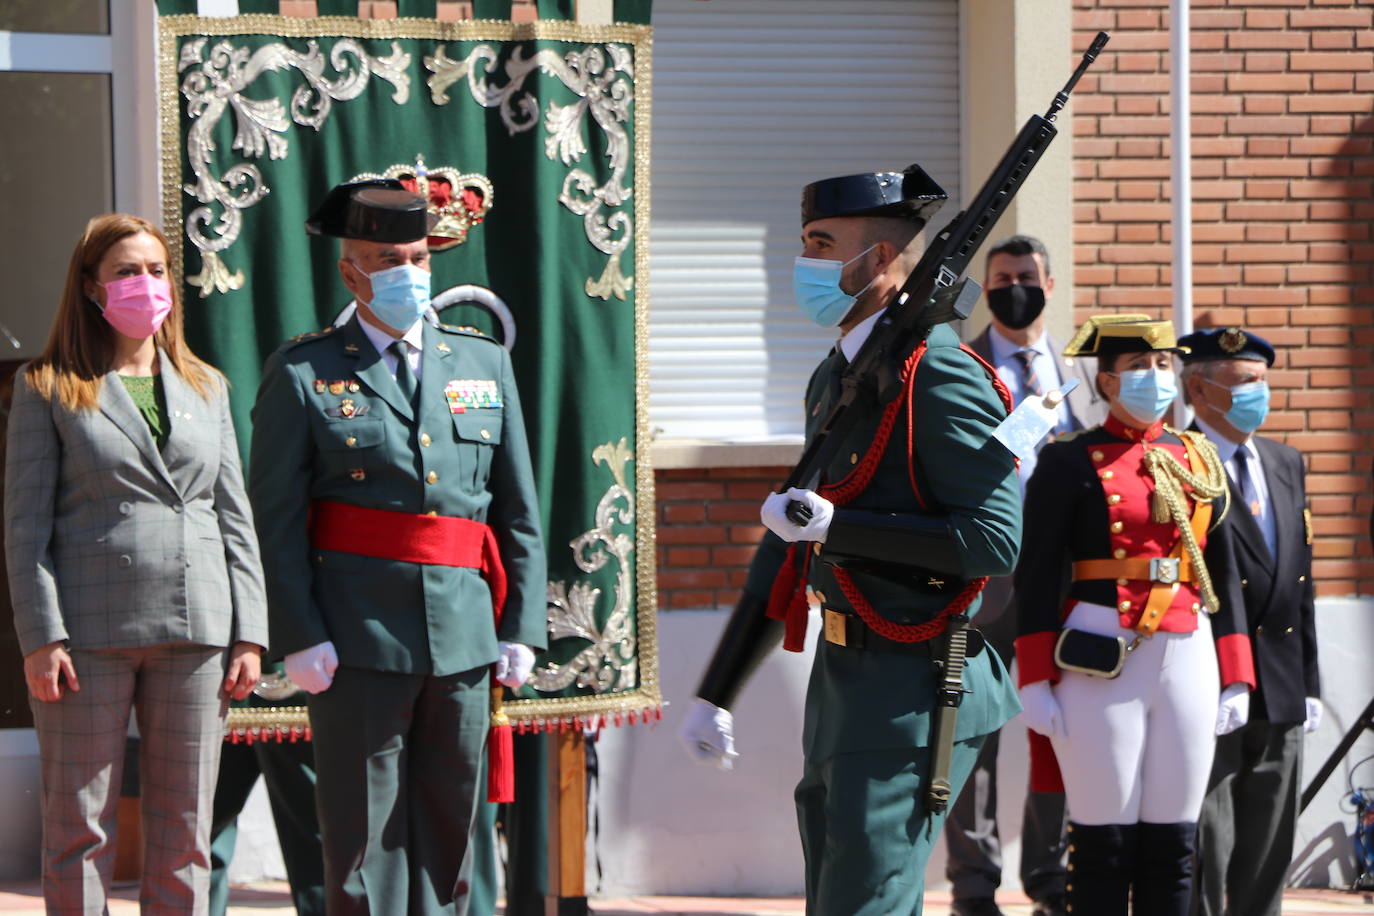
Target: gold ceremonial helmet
<point>1108,335</point>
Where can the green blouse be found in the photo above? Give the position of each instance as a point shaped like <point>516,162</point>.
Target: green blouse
<point>151,402</point>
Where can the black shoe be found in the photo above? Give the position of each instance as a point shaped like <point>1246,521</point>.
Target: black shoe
<point>1053,905</point>
<point>975,906</point>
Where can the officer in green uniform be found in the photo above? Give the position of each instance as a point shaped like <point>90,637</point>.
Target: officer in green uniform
<point>393,494</point>
<point>918,504</point>
<point>283,756</point>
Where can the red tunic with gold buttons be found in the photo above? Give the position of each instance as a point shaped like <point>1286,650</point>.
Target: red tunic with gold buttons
<point>1090,499</point>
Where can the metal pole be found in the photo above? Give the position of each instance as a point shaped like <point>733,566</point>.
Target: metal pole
<point>1181,156</point>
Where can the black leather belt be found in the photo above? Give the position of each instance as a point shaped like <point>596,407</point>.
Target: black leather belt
<point>849,630</point>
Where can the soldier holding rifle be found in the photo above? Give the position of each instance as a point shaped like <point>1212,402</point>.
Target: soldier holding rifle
<point>901,506</point>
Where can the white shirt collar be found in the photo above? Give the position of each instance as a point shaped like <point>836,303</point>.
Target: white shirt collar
<point>1225,447</point>
<point>852,342</point>
<point>1003,347</point>
<point>381,339</point>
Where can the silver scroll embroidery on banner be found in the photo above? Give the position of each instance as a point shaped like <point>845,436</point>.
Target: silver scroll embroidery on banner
<point>609,663</point>
<point>217,84</point>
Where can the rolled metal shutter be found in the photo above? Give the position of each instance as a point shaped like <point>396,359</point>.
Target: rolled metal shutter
<point>752,100</point>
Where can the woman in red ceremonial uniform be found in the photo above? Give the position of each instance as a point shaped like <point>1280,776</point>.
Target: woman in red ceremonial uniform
<point>1133,652</point>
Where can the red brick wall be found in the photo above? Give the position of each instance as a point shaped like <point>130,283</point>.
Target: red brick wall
<point>1283,198</point>
<point>708,527</point>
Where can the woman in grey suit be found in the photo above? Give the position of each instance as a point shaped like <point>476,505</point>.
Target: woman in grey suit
<point>134,571</point>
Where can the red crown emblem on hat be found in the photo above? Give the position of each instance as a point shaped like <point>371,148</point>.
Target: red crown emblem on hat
<point>460,200</point>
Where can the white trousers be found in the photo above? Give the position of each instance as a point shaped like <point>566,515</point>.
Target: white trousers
<point>1138,747</point>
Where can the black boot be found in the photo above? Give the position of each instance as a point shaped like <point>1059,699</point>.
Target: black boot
<point>1164,868</point>
<point>1099,881</point>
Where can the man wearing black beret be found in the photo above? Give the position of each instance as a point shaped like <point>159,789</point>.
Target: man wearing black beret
<point>1245,833</point>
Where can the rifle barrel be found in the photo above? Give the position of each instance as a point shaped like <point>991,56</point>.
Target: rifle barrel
<point>1089,56</point>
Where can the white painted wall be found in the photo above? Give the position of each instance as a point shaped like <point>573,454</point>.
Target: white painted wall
<point>1322,852</point>
<point>21,827</point>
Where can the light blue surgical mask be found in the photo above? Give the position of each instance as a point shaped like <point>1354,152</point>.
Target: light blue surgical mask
<point>1249,405</point>
<point>1147,393</point>
<point>400,294</point>
<point>816,284</point>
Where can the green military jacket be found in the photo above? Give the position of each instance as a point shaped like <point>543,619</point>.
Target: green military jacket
<point>461,456</point>
<point>869,700</point>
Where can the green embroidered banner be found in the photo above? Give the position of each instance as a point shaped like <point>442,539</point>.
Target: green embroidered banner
<point>531,142</point>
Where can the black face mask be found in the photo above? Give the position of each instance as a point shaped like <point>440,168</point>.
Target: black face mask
<point>1016,306</point>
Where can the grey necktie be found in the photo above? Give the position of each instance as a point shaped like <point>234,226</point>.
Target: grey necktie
<point>405,376</point>
<point>1245,482</point>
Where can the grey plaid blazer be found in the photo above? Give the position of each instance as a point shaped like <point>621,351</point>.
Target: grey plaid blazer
<point>112,544</point>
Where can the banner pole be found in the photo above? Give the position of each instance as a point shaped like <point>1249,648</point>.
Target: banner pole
<point>567,840</point>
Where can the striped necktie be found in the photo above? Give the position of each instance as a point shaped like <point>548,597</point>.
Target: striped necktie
<point>1030,382</point>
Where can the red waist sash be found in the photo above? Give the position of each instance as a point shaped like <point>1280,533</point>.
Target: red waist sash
<point>435,540</point>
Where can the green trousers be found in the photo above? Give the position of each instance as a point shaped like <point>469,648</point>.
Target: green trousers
<point>865,831</point>
<point>288,770</point>
<point>398,761</point>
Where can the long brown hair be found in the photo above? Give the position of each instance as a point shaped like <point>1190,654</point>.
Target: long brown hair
<point>81,346</point>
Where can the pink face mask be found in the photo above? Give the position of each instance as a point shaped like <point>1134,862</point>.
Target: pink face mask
<point>136,306</point>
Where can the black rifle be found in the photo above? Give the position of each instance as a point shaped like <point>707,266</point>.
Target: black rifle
<point>932,294</point>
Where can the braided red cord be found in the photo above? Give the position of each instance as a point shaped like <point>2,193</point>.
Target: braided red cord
<point>787,601</point>
<point>907,632</point>
<point>854,483</point>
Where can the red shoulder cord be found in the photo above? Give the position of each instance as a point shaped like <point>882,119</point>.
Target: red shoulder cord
<point>787,601</point>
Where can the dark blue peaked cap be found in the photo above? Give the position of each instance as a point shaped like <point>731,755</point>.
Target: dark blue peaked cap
<point>909,194</point>
<point>1226,343</point>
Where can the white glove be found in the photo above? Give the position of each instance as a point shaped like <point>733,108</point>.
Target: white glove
<point>515,664</point>
<point>1234,709</point>
<point>1040,710</point>
<point>313,669</point>
<point>708,734</point>
<point>1314,715</point>
<point>774,515</point>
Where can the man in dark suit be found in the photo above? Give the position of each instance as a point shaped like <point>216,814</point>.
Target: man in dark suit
<point>1019,285</point>
<point>1245,833</point>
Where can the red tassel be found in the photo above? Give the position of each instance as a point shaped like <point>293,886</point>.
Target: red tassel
<point>780,595</point>
<point>500,765</point>
<point>500,752</point>
<point>787,601</point>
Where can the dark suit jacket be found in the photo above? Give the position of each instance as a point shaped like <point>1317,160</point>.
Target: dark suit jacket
<point>1088,409</point>
<point>1278,590</point>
